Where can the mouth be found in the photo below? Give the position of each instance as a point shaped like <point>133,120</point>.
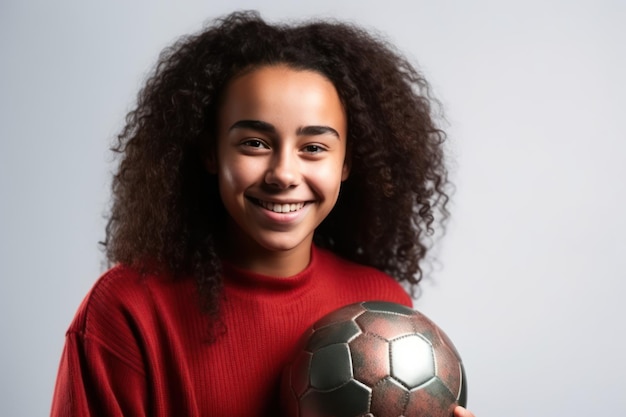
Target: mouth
<point>279,207</point>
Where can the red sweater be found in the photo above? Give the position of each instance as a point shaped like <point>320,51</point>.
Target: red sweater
<point>138,345</point>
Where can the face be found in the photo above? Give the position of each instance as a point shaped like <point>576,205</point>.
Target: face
<point>280,160</point>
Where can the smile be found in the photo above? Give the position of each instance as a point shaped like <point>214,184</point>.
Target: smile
<point>280,208</point>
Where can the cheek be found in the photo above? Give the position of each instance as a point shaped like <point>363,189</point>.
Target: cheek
<point>229,178</point>
<point>327,181</point>
<point>236,174</point>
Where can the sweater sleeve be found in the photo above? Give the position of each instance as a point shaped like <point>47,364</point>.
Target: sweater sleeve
<point>94,381</point>
<point>102,372</point>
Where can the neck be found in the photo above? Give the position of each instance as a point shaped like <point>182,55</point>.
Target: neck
<point>245,253</point>
<point>277,264</point>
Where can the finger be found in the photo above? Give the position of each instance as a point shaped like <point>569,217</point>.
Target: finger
<point>462,412</point>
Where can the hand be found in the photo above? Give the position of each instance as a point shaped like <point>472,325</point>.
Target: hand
<point>462,412</point>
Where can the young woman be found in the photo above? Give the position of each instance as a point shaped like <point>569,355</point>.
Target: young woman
<point>269,175</point>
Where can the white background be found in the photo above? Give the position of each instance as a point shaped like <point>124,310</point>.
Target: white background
<point>531,273</point>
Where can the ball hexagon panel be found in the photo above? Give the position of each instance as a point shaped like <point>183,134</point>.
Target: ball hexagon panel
<point>389,399</point>
<point>349,400</point>
<point>443,338</point>
<point>348,313</point>
<point>412,360</point>
<point>298,373</point>
<point>387,307</point>
<point>422,325</point>
<point>331,367</point>
<point>370,355</point>
<point>340,332</point>
<point>448,369</point>
<point>385,325</point>
<point>430,400</point>
<point>290,405</point>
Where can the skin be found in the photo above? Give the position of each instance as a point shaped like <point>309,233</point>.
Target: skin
<point>281,143</point>
<point>462,412</point>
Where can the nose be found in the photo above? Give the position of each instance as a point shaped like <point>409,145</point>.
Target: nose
<point>284,171</point>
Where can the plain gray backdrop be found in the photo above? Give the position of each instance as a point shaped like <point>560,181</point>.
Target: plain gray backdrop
<point>530,277</point>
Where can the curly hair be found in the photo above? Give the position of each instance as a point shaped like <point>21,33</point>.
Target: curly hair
<point>166,208</point>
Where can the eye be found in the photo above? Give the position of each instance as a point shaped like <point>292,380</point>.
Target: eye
<point>313,149</point>
<point>255,144</point>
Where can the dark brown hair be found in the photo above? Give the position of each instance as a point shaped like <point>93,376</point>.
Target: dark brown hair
<point>166,208</point>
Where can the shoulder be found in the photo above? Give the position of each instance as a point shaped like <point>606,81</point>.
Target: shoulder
<point>128,313</point>
<point>107,337</point>
<point>121,294</point>
<point>364,281</point>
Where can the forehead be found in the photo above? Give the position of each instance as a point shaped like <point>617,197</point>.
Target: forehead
<point>280,93</point>
<point>281,74</point>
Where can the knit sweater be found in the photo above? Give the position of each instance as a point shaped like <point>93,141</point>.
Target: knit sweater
<point>139,345</point>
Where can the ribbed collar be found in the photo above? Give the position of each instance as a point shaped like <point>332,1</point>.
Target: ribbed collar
<point>238,279</point>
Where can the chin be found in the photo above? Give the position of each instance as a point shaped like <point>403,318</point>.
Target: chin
<point>279,246</point>
<point>283,244</point>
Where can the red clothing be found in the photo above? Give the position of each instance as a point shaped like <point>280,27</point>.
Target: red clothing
<point>138,345</point>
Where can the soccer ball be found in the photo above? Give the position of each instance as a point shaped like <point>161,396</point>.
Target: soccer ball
<point>374,359</point>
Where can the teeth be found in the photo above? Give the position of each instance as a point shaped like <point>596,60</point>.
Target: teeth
<point>281,208</point>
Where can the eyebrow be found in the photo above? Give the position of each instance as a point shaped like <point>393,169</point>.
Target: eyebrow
<point>257,125</point>
<point>269,128</point>
<point>316,130</point>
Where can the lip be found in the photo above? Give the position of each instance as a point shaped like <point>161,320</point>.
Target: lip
<point>273,210</point>
<point>281,207</point>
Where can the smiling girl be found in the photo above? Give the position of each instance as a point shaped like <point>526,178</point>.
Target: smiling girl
<point>280,161</point>
<point>269,175</point>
